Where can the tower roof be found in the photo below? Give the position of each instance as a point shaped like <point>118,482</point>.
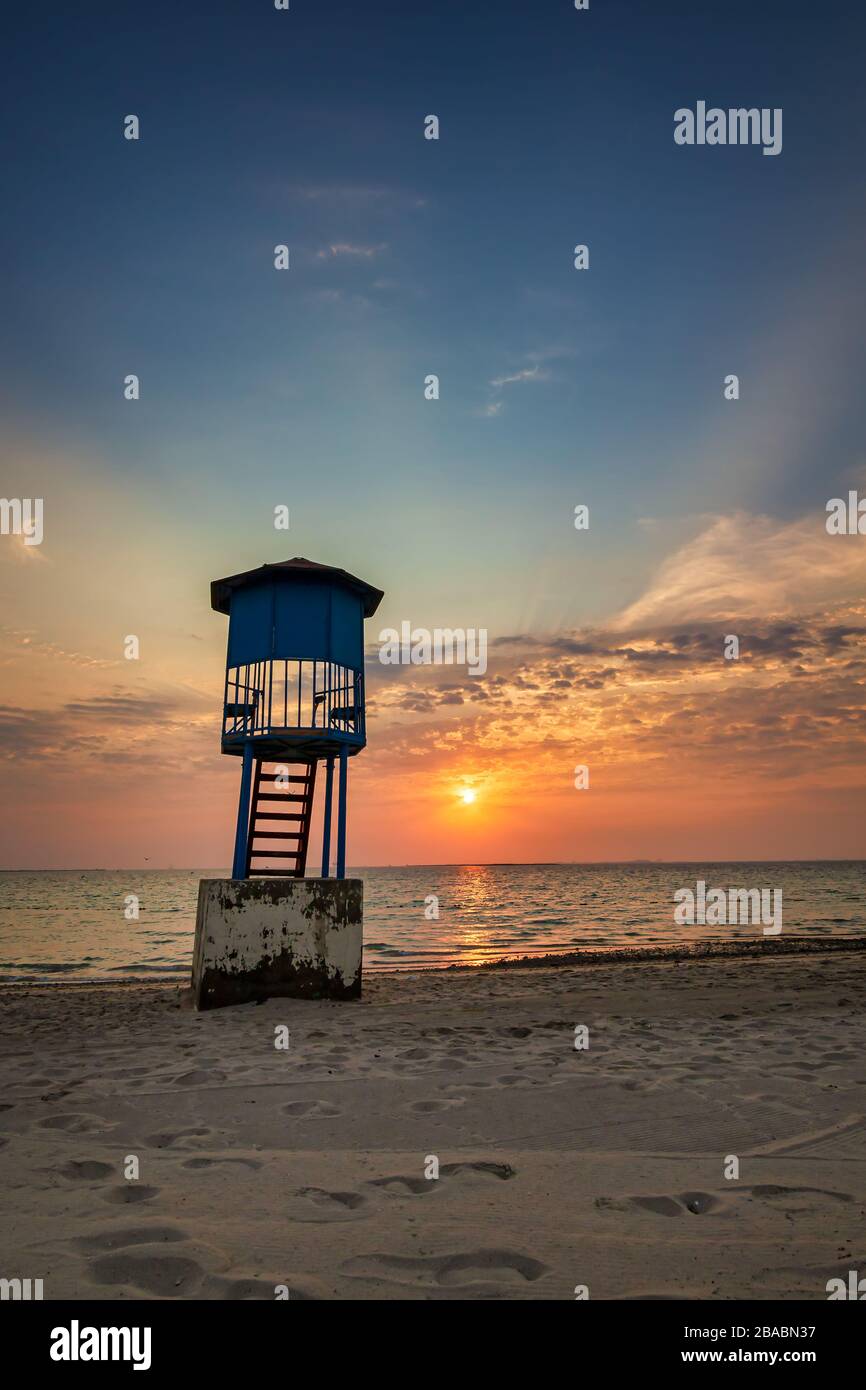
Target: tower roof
<point>300,570</point>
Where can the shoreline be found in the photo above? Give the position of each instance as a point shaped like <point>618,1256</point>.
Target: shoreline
<point>701,950</point>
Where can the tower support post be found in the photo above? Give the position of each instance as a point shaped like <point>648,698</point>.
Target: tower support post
<point>326,833</point>
<point>341,813</point>
<point>239,868</point>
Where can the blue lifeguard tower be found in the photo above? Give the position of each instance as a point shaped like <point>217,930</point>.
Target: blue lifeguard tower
<point>294,697</point>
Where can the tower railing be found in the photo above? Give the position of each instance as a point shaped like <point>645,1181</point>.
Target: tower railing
<point>287,697</point>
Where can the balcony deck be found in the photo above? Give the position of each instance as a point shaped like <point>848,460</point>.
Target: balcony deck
<point>294,709</point>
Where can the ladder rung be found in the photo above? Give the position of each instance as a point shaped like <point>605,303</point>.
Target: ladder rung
<point>279,796</point>
<point>276,835</point>
<point>274,854</point>
<point>273,873</point>
<point>274,776</point>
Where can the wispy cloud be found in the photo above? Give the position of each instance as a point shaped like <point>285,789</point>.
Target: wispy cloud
<point>18,645</point>
<point>119,725</point>
<point>536,373</point>
<point>744,566</point>
<point>347,248</point>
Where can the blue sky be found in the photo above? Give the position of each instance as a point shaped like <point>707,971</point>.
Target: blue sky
<point>306,127</point>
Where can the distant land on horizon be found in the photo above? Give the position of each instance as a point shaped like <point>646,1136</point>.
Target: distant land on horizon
<point>439,864</point>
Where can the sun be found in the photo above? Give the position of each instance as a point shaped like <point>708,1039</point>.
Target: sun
<point>467,795</point>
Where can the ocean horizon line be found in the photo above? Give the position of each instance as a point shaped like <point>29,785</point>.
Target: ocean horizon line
<point>432,864</point>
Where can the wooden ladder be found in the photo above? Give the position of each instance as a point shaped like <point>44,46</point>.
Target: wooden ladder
<point>291,819</point>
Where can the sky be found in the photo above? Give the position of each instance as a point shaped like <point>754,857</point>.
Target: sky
<point>558,387</point>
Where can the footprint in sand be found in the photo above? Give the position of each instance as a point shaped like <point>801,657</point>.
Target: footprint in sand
<point>120,1237</point>
<point>433,1107</point>
<point>785,1200</point>
<point>482,1268</point>
<point>313,1204</point>
<point>199,1078</point>
<point>76,1124</point>
<point>130,1193</point>
<point>181,1138</point>
<point>482,1168</point>
<point>87,1170</point>
<point>403,1185</point>
<point>686,1203</point>
<point>146,1268</point>
<point>311,1110</point>
<point>199,1163</point>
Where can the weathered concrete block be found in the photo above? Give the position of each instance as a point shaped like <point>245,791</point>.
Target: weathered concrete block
<point>259,937</point>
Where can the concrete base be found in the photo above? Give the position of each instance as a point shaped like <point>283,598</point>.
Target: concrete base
<point>259,937</point>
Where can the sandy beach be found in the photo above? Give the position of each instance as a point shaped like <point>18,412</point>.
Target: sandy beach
<point>602,1167</point>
